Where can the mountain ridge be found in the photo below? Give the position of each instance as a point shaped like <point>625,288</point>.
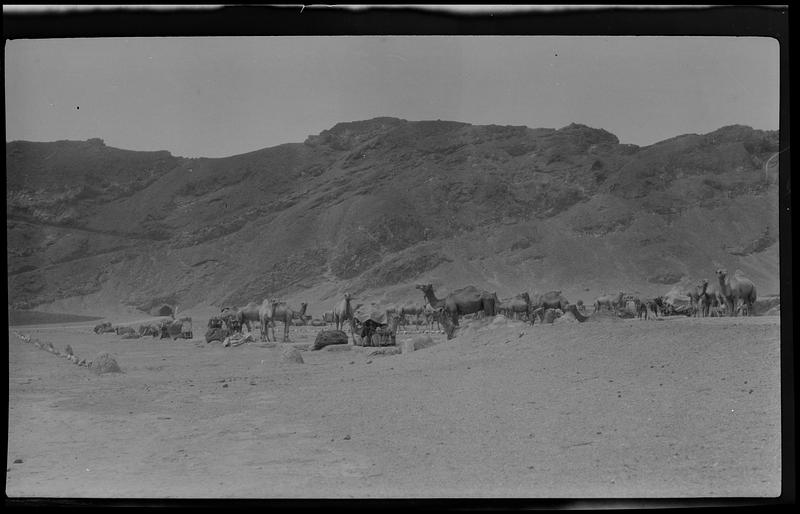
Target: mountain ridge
<point>374,206</point>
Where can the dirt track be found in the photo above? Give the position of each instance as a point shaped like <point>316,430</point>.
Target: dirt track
<point>623,409</point>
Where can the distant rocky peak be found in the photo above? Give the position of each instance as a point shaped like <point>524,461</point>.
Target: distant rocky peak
<point>588,135</point>
<point>346,135</point>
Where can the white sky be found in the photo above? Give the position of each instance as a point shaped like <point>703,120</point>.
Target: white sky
<point>222,96</point>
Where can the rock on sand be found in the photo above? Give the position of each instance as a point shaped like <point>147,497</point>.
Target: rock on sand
<point>104,363</point>
<point>416,343</point>
<point>291,354</point>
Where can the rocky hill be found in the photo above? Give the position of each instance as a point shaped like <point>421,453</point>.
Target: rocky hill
<point>376,206</point>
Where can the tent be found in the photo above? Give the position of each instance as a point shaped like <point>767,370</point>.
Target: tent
<point>163,310</point>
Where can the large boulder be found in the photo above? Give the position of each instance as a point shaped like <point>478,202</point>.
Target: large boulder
<point>105,363</point>
<point>419,342</point>
<point>329,337</point>
<point>291,354</point>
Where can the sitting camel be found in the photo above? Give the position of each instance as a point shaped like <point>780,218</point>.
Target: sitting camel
<point>613,302</point>
<point>342,312</point>
<point>736,289</point>
<point>103,328</point>
<point>149,329</point>
<point>549,314</point>
<point>549,300</point>
<point>281,311</point>
<point>467,300</point>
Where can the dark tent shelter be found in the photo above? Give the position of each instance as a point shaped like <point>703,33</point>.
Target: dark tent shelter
<point>164,310</point>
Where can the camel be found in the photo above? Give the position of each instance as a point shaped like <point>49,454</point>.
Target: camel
<point>176,329</point>
<point>249,314</point>
<point>467,300</point>
<point>707,297</point>
<point>342,312</point>
<point>103,328</point>
<point>610,301</point>
<point>124,330</point>
<point>697,298</point>
<point>265,318</point>
<point>628,299</point>
<point>736,289</point>
<point>641,310</point>
<point>431,317</point>
<point>149,329</point>
<point>232,318</point>
<point>649,305</point>
<point>576,313</point>
<point>517,306</point>
<point>549,300</point>
<point>281,311</point>
<point>405,310</point>
<point>549,314</point>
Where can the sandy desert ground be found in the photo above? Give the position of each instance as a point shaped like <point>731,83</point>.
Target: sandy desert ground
<point>608,408</point>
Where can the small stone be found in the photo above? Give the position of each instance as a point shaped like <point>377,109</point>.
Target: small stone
<point>17,461</point>
<point>224,385</point>
<point>346,438</point>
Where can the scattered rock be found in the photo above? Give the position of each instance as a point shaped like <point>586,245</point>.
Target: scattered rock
<point>291,354</point>
<point>416,343</point>
<point>82,362</point>
<point>104,363</point>
<point>392,350</point>
<point>68,350</point>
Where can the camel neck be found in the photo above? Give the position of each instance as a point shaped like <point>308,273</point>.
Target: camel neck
<point>431,297</point>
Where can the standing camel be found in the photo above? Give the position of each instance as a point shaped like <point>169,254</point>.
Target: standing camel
<point>610,301</point>
<point>249,315</point>
<point>467,300</point>
<point>342,312</point>
<point>431,316</point>
<point>281,311</point>
<point>735,289</point>
<point>265,317</point>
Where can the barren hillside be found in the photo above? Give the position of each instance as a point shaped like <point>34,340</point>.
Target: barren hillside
<point>376,206</point>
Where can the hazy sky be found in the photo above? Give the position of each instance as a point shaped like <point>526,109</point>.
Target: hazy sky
<point>221,96</point>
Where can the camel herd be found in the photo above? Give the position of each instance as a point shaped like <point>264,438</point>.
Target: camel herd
<point>731,295</point>
<point>728,295</point>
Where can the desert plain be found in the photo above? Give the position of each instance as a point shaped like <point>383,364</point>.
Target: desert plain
<point>610,408</point>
